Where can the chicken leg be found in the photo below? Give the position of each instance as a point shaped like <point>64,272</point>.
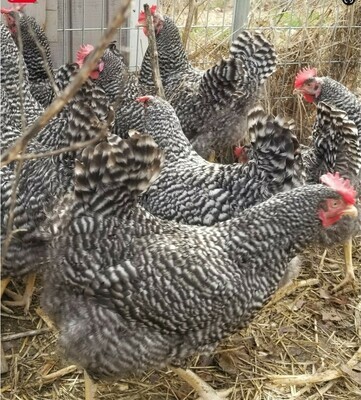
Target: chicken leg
<point>90,387</point>
<point>205,391</point>
<point>25,299</point>
<point>349,271</point>
<point>4,283</point>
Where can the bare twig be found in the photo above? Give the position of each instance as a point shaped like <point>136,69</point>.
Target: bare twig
<point>75,146</point>
<point>188,26</point>
<point>154,58</point>
<point>58,374</point>
<point>21,335</point>
<point>3,364</point>
<point>57,105</point>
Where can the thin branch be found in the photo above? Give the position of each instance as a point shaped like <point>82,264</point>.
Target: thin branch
<point>154,57</point>
<point>187,29</point>
<point>75,146</point>
<point>15,336</point>
<point>57,105</point>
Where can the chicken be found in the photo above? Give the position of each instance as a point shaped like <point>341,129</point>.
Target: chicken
<point>36,52</point>
<point>195,191</point>
<point>122,89</point>
<point>130,292</point>
<point>12,66</point>
<point>315,89</point>
<point>85,117</point>
<point>211,105</point>
<point>335,147</point>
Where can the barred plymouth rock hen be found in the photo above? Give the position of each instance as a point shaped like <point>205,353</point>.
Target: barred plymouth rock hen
<point>323,88</point>
<point>36,51</point>
<point>12,66</point>
<point>335,148</point>
<point>86,116</point>
<point>195,191</point>
<point>122,89</point>
<point>211,105</point>
<point>130,292</point>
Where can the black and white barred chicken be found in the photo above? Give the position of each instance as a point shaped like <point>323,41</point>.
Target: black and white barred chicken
<point>195,191</point>
<point>211,105</point>
<point>43,180</point>
<point>121,86</point>
<point>130,292</point>
<point>35,50</point>
<point>323,88</point>
<point>20,108</point>
<point>335,148</point>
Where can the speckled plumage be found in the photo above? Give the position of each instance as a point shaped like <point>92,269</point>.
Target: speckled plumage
<point>130,292</point>
<point>335,145</point>
<point>43,181</point>
<point>12,63</point>
<point>337,95</point>
<point>211,105</point>
<point>33,36</point>
<point>122,89</point>
<point>195,191</point>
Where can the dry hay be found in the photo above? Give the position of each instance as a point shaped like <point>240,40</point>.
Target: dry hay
<point>309,331</point>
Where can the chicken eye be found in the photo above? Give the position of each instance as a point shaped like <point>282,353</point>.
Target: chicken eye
<point>335,203</point>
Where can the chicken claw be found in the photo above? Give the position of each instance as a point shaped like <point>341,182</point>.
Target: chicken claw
<point>25,299</point>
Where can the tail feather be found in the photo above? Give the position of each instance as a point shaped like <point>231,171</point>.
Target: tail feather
<point>233,81</point>
<point>275,149</point>
<point>111,175</point>
<point>257,54</point>
<point>336,142</point>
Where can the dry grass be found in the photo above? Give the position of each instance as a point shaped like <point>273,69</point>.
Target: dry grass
<point>306,332</point>
<point>309,331</point>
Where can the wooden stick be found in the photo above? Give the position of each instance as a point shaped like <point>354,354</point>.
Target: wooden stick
<point>58,374</point>
<point>57,105</point>
<point>4,364</point>
<point>21,335</point>
<point>154,57</point>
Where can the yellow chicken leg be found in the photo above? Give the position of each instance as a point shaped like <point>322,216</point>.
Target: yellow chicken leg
<point>349,271</point>
<point>4,283</point>
<point>212,156</point>
<point>205,391</point>
<point>90,387</point>
<point>25,299</point>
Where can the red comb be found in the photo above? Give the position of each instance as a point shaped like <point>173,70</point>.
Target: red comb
<point>142,16</point>
<point>83,52</point>
<point>341,186</point>
<point>303,75</point>
<point>143,99</point>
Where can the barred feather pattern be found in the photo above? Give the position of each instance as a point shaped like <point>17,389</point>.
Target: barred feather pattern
<point>335,147</point>
<point>86,117</point>
<point>39,80</point>
<point>211,105</point>
<point>337,95</point>
<point>194,191</point>
<point>130,292</point>
<point>10,72</point>
<point>122,88</point>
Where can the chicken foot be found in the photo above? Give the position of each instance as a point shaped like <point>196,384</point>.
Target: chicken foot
<point>205,391</point>
<point>25,299</point>
<point>349,270</point>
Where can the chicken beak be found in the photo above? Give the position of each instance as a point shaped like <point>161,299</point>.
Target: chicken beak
<point>296,91</point>
<point>351,211</point>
